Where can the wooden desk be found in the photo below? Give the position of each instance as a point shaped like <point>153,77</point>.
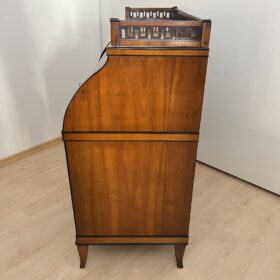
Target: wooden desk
<point>131,134</point>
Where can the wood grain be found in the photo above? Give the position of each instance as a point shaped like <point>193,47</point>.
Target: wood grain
<point>115,32</point>
<point>131,188</point>
<point>140,93</point>
<point>130,135</point>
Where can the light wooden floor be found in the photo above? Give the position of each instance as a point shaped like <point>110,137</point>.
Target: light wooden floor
<point>234,233</point>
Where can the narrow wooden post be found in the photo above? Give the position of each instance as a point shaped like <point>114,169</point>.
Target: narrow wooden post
<point>127,11</point>
<point>205,38</point>
<point>115,32</point>
<point>173,12</point>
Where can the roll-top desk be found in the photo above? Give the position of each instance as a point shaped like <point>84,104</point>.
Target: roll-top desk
<point>131,132</point>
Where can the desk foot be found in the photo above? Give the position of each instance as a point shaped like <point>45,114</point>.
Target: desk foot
<point>179,253</point>
<point>83,252</point>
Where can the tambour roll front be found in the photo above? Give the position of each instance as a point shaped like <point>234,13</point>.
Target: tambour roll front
<point>131,132</point>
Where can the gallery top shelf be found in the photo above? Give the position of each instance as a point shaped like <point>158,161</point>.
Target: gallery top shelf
<point>159,27</point>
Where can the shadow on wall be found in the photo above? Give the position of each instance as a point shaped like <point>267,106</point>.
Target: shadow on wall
<point>74,59</point>
<point>19,59</point>
<point>46,53</point>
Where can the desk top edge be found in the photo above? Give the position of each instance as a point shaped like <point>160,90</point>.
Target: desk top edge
<point>156,51</point>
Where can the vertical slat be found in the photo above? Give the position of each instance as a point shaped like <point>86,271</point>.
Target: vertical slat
<point>174,11</point>
<point>115,32</point>
<point>127,13</point>
<point>205,38</point>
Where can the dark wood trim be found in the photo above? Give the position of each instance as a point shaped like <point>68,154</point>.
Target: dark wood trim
<point>189,56</point>
<point>157,48</point>
<point>70,186</point>
<point>150,22</point>
<point>159,43</point>
<point>127,132</point>
<point>153,23</point>
<point>133,236</point>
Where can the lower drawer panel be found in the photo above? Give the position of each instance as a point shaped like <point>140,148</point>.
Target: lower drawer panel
<point>131,188</point>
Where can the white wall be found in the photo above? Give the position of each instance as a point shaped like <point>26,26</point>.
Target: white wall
<point>240,130</point>
<point>46,49</point>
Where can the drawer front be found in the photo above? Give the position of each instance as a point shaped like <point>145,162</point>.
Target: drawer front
<point>131,187</point>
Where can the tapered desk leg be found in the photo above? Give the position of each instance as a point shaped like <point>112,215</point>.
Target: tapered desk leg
<point>179,253</point>
<point>83,252</point>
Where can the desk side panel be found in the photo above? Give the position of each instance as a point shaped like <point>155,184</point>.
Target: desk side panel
<point>131,188</point>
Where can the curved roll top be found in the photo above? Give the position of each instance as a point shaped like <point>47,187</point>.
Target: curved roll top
<point>141,90</point>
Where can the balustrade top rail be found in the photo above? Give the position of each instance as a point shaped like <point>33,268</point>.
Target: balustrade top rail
<point>160,27</point>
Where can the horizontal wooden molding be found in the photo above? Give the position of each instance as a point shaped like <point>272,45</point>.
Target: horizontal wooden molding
<point>153,22</point>
<point>163,52</point>
<point>30,151</point>
<point>161,43</point>
<point>131,240</point>
<point>130,137</point>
